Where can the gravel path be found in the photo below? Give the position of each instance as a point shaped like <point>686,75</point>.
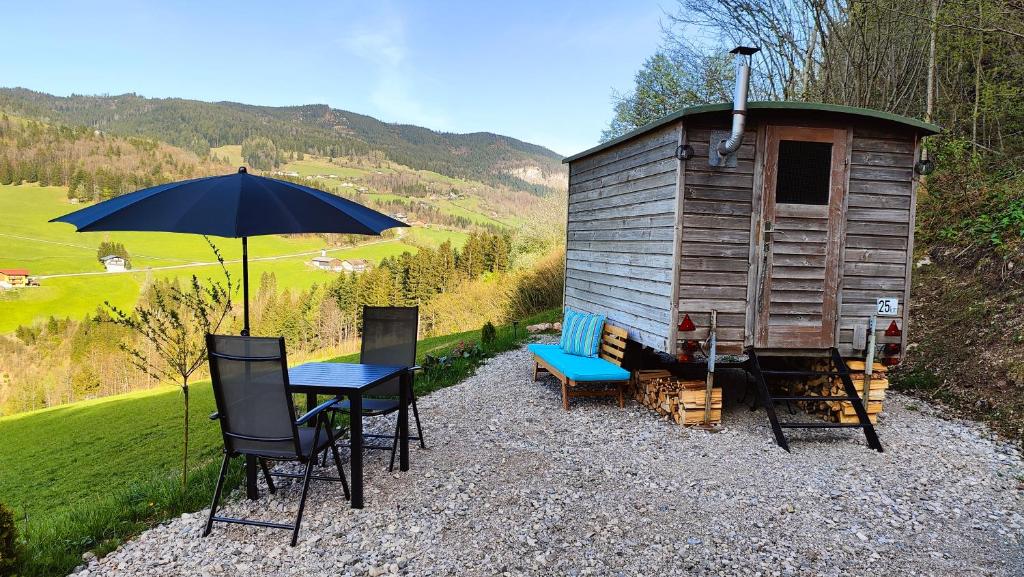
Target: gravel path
<point>514,485</point>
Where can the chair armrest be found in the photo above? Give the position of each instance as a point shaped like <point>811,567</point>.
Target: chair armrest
<point>314,412</point>
<point>415,368</point>
<point>215,416</point>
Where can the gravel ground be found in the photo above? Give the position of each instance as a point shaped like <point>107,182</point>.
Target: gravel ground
<point>512,484</point>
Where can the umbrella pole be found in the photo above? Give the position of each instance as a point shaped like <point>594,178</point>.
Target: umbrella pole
<point>245,285</point>
<point>250,462</point>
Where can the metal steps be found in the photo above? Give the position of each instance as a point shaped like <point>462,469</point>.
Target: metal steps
<point>840,370</point>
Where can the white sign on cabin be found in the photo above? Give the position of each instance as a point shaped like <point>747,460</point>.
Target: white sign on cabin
<point>887,307</point>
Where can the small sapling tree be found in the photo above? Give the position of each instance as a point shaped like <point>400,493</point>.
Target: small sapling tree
<point>173,321</point>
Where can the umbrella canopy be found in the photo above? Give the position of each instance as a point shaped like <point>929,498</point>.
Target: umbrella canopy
<point>235,206</point>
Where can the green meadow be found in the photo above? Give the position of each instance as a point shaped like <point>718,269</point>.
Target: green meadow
<point>87,475</point>
<point>28,240</point>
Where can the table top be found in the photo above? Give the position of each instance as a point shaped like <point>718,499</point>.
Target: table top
<point>339,378</point>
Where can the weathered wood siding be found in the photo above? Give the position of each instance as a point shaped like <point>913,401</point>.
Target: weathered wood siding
<point>620,234</point>
<point>624,212</point>
<point>715,238</point>
<point>879,230</point>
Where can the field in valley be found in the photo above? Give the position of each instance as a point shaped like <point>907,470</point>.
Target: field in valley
<point>28,240</point>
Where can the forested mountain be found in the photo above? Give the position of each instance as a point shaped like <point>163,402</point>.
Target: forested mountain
<point>312,129</point>
<point>93,165</point>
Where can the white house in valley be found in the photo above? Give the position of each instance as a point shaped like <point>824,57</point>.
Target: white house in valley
<point>114,263</point>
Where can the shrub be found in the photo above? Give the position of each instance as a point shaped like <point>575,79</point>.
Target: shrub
<point>488,334</point>
<point>11,549</point>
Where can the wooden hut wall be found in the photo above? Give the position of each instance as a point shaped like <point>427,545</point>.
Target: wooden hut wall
<point>715,251</point>
<point>879,231</point>
<point>619,249</point>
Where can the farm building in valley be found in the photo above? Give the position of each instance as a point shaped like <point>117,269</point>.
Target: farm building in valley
<point>792,237</point>
<point>356,265</point>
<point>324,262</point>
<point>13,277</point>
<point>114,263</point>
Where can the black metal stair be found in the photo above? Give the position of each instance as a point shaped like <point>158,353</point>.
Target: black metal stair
<point>840,370</point>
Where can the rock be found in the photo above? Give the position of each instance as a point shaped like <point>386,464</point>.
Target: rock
<point>538,328</point>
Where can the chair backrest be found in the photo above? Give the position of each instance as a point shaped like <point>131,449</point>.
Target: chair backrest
<point>250,386</point>
<point>613,344</point>
<point>389,338</point>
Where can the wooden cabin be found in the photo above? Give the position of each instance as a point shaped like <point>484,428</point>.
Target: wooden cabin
<point>792,238</point>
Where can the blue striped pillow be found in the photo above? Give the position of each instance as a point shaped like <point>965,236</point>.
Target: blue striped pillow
<point>567,321</point>
<point>581,333</point>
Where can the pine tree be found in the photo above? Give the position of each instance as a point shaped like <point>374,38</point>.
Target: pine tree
<point>6,171</point>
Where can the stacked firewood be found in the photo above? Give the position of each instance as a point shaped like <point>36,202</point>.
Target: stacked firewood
<point>681,400</point>
<point>842,411</point>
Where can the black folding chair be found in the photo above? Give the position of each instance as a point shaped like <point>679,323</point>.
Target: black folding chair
<point>257,418</point>
<point>389,338</point>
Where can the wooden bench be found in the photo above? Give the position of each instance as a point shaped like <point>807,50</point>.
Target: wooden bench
<point>573,369</point>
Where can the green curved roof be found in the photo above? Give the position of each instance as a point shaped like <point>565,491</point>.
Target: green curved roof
<point>784,106</point>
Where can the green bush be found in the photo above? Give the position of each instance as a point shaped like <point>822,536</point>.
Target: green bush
<point>915,379</point>
<point>488,334</point>
<point>11,549</point>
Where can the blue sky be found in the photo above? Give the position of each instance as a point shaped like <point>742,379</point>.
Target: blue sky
<point>540,71</point>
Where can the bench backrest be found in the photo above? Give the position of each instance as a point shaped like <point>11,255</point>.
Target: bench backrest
<point>613,344</point>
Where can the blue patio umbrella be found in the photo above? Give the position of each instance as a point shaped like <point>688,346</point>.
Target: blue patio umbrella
<point>234,206</point>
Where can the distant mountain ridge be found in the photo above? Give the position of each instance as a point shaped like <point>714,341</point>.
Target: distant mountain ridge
<point>313,128</point>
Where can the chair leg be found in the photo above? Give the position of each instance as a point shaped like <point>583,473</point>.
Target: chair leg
<point>536,369</point>
<point>323,462</point>
<point>419,429</point>
<point>266,475</point>
<point>337,462</point>
<point>622,400</point>
<point>216,493</point>
<point>302,500</point>
<point>565,396</point>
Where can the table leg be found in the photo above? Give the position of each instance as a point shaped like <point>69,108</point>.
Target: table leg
<point>355,401</point>
<point>311,401</point>
<point>250,478</point>
<point>404,396</point>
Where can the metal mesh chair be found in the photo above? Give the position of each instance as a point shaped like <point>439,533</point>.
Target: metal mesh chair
<point>389,338</point>
<point>256,414</point>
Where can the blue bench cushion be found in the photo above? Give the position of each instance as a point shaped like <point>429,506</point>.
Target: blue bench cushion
<point>577,368</point>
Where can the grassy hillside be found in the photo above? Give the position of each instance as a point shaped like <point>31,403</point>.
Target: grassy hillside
<point>362,180</point>
<point>90,474</point>
<point>29,241</point>
<point>967,330</point>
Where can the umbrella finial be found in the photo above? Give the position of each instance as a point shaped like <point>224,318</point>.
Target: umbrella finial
<point>242,170</point>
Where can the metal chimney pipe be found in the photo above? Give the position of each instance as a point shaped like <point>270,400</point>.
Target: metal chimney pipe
<point>739,100</point>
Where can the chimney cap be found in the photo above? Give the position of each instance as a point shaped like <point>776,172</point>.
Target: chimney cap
<point>745,50</point>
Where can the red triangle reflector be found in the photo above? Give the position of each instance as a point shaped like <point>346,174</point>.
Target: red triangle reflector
<point>893,330</point>
<point>686,325</point>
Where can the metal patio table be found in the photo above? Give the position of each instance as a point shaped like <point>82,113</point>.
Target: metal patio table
<point>352,380</point>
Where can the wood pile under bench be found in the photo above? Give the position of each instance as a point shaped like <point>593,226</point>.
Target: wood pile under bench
<point>681,400</point>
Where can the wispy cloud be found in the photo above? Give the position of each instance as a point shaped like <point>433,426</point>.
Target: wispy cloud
<point>381,47</point>
<point>382,44</point>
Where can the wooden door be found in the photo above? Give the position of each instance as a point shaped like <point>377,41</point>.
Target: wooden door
<point>804,180</point>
